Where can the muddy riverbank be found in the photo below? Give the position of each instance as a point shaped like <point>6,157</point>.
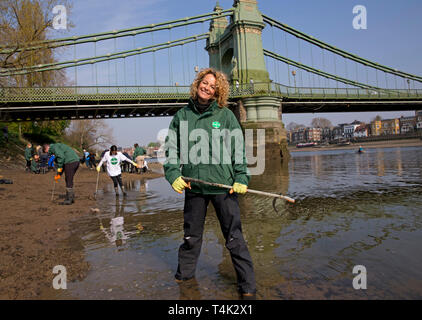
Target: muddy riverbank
<point>35,232</point>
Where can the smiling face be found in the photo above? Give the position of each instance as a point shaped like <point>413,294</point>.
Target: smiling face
<point>206,89</point>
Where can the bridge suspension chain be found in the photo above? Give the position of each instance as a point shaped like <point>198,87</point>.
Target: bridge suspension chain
<point>345,54</point>
<point>102,58</point>
<point>319,72</point>
<point>55,43</point>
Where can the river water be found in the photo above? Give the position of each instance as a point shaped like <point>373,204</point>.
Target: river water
<point>351,210</point>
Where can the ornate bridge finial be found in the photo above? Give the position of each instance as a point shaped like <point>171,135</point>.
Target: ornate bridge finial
<point>217,6</point>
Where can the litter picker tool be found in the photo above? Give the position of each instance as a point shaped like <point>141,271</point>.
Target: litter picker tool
<point>54,186</point>
<point>56,180</point>
<point>268,194</point>
<point>96,187</point>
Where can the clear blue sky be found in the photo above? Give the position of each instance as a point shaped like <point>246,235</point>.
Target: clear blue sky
<point>392,38</point>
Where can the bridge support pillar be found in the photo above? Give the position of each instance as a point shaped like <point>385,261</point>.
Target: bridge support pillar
<point>264,113</point>
<point>235,48</point>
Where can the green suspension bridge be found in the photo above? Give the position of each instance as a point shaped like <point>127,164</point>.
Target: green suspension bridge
<point>146,71</point>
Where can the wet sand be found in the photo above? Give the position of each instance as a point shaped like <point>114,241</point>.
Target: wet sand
<point>35,233</point>
<point>365,145</point>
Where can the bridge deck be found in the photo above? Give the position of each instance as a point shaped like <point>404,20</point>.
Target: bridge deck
<point>18,104</point>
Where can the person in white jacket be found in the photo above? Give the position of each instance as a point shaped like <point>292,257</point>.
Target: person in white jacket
<point>113,158</point>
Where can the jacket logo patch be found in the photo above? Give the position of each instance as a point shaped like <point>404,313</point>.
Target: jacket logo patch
<point>216,124</point>
<point>113,161</point>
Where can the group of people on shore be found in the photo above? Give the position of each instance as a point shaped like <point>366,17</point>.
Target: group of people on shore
<point>39,161</point>
<point>58,155</point>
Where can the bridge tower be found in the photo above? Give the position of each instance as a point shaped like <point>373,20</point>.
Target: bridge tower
<point>235,48</point>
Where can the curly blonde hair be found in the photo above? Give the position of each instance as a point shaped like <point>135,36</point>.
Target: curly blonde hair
<point>221,86</point>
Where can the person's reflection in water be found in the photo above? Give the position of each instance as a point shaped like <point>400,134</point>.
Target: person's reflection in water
<point>189,290</point>
<point>263,227</point>
<point>116,234</point>
<point>143,186</point>
<point>141,199</point>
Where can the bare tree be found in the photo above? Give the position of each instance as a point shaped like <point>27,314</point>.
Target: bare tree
<point>377,118</point>
<point>321,123</point>
<point>24,23</point>
<point>88,134</point>
<point>293,126</point>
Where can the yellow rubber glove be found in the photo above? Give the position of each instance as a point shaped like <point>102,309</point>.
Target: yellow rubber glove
<point>98,168</point>
<point>239,188</point>
<point>179,185</point>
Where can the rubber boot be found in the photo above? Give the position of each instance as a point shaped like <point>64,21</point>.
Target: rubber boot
<point>116,189</point>
<point>72,196</point>
<point>69,197</point>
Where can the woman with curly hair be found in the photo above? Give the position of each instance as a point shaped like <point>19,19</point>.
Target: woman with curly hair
<point>205,141</point>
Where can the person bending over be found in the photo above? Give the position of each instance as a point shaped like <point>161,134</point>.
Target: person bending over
<point>68,162</point>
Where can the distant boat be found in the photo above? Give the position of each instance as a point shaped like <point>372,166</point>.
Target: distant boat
<point>305,145</point>
<point>344,143</point>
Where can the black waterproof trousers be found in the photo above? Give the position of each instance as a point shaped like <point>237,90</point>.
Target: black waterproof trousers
<point>117,180</point>
<point>228,214</point>
<point>69,172</point>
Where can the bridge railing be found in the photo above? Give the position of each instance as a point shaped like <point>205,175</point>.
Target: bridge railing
<point>343,93</point>
<point>101,93</point>
<point>276,89</point>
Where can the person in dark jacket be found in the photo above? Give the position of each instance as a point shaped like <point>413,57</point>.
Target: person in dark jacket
<point>68,162</point>
<point>44,162</point>
<point>92,160</point>
<point>207,114</point>
<point>28,156</point>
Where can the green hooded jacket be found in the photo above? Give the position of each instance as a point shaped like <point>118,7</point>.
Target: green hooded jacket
<point>64,154</point>
<point>216,159</point>
<point>138,152</point>
<point>34,165</point>
<point>28,153</point>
